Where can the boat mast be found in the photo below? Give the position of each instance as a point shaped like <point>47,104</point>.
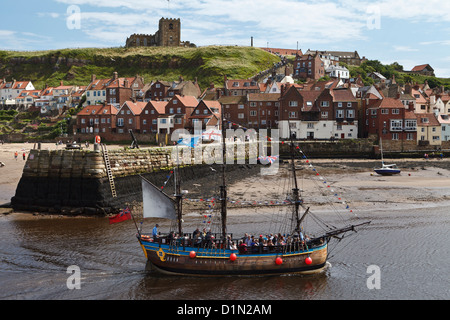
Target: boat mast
<point>295,190</point>
<point>223,187</point>
<point>178,196</point>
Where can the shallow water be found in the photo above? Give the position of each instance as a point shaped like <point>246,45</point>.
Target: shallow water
<point>410,247</point>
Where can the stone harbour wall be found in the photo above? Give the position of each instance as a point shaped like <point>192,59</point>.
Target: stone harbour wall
<point>76,181</point>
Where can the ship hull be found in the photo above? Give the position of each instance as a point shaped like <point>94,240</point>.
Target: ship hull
<point>211,262</point>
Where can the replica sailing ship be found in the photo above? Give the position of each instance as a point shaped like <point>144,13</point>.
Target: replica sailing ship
<point>213,254</point>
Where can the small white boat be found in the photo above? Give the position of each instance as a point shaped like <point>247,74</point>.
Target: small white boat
<point>386,169</point>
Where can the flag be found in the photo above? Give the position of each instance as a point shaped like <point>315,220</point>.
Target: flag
<point>190,142</point>
<point>267,159</point>
<point>122,216</point>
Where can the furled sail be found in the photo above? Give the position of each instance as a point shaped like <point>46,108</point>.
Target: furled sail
<point>156,203</point>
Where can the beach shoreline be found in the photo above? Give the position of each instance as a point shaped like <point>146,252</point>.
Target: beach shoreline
<point>422,182</point>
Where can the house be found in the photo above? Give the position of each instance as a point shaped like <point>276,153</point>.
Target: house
<point>184,88</point>
<point>208,114</point>
<point>262,110</point>
<point>128,117</point>
<point>27,98</point>
<point>296,105</point>
<point>240,87</point>
<point>377,77</point>
<point>158,90</point>
<point>338,72</point>
<point>9,91</point>
<point>388,119</point>
<point>338,115</point>
<point>120,90</point>
<point>177,113</point>
<point>429,130</point>
<point>309,66</point>
<point>96,91</point>
<point>424,69</point>
<point>348,57</point>
<point>96,119</point>
<point>165,90</point>
<point>444,121</point>
<point>327,58</point>
<point>234,109</point>
<point>150,114</point>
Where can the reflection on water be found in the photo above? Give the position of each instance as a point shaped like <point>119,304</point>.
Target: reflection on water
<point>409,246</point>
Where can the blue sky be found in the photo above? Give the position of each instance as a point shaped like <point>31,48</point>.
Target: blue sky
<point>411,32</point>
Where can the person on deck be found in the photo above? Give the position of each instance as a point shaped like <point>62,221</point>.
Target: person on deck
<point>155,231</point>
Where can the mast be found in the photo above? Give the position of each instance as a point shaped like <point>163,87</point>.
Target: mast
<point>295,190</point>
<point>223,187</point>
<point>178,197</point>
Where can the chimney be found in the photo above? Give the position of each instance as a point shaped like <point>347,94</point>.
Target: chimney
<point>93,77</point>
<point>126,83</point>
<point>408,88</point>
<point>115,75</point>
<point>61,83</point>
<point>251,42</point>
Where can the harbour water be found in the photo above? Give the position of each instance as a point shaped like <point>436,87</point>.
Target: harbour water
<point>409,248</point>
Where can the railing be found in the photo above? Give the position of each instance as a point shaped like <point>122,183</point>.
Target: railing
<point>215,246</point>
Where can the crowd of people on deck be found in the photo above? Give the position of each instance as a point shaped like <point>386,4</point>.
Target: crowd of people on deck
<point>246,244</point>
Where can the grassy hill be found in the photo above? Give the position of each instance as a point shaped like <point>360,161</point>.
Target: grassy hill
<point>75,66</point>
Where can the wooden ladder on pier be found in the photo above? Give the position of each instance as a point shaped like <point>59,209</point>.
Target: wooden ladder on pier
<point>109,171</point>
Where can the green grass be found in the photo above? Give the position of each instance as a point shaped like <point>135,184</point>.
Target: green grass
<point>208,64</point>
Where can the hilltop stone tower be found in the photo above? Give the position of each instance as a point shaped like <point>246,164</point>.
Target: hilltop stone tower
<point>168,35</point>
<point>169,32</point>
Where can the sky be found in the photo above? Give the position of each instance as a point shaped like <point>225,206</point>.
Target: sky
<point>410,32</point>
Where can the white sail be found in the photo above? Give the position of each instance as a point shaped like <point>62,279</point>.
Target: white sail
<point>156,203</point>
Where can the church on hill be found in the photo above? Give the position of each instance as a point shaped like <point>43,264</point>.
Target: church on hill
<point>168,35</point>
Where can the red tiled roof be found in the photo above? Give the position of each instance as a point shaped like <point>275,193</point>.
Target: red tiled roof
<point>421,67</point>
<point>159,106</point>
<point>135,107</point>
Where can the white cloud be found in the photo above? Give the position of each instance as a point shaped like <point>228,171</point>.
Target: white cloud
<point>405,49</point>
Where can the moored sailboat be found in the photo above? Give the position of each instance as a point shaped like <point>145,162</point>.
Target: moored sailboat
<point>386,169</point>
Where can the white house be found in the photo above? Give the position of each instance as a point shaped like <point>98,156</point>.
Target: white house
<point>338,72</point>
<point>11,90</point>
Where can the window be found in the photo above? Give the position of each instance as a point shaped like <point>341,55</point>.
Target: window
<point>178,110</point>
<point>395,111</point>
<point>384,111</point>
<point>350,113</point>
<point>252,104</point>
<point>144,121</point>
<point>293,103</point>
<point>324,103</point>
<point>310,126</point>
<point>396,125</point>
<point>292,114</point>
<point>253,113</point>
<point>120,122</point>
<point>410,136</point>
<point>349,104</point>
<point>241,106</point>
<point>154,121</point>
<point>130,121</point>
<point>324,114</point>
<point>240,116</point>
<point>340,104</point>
<point>171,110</point>
<point>339,114</point>
<point>395,136</point>
<point>205,111</point>
<point>174,101</point>
<point>163,120</point>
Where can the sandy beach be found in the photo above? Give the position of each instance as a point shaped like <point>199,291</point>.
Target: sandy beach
<point>422,182</point>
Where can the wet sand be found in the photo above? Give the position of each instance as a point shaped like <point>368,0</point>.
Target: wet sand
<point>422,182</point>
